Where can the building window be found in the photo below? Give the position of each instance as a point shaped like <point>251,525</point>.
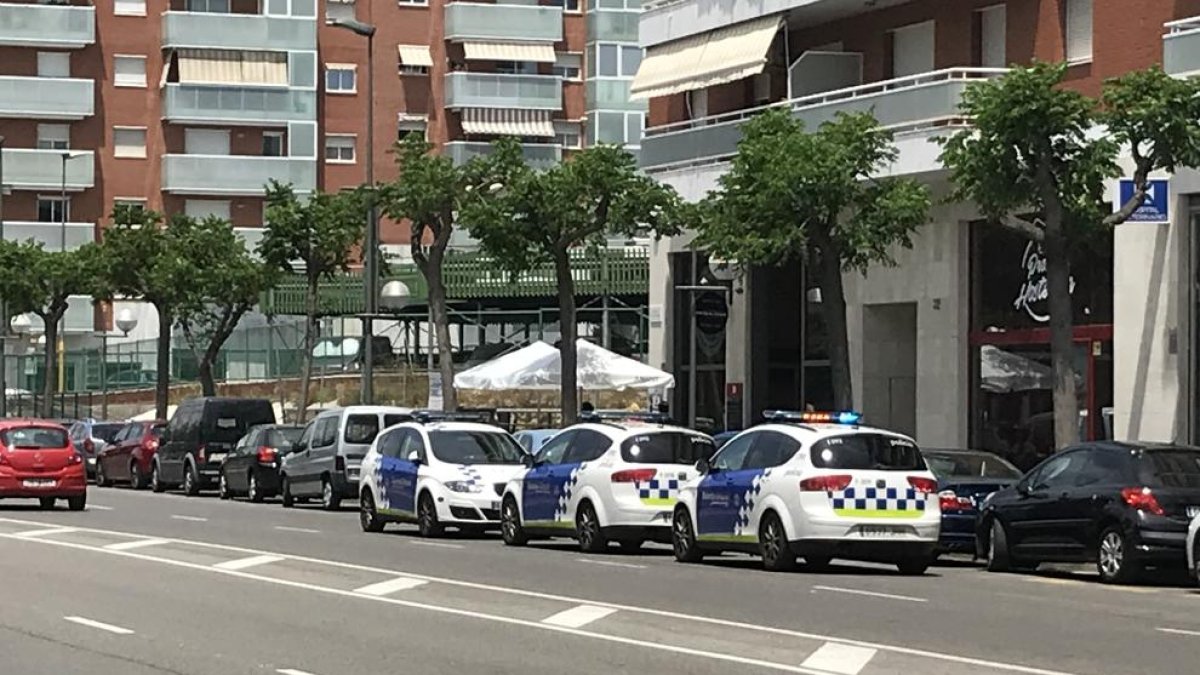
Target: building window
<point>567,65</point>
<point>208,6</point>
<point>54,64</point>
<point>340,79</point>
<point>568,5</point>
<point>620,128</point>
<point>339,149</point>
<point>53,136</point>
<point>993,35</point>
<point>129,142</point>
<point>339,10</point>
<point>697,100</point>
<point>567,134</point>
<point>614,60</point>
<point>413,70</point>
<point>1078,31</point>
<point>53,209</point>
<point>129,7</point>
<point>130,204</point>
<point>517,67</point>
<point>412,2</point>
<point>913,49</point>
<point>207,208</point>
<point>408,127</point>
<point>272,144</point>
<point>129,71</point>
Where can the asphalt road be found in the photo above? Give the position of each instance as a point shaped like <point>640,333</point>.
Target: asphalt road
<point>145,583</point>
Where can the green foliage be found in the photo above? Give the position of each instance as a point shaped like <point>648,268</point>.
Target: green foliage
<point>38,281</point>
<point>142,260</point>
<point>1156,116</point>
<point>427,192</point>
<point>226,276</point>
<point>321,230</point>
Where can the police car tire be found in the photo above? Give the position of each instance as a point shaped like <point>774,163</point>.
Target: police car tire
<point>368,517</point>
<point>997,550</point>
<point>777,555</point>
<point>683,539</point>
<point>510,524</point>
<point>427,520</point>
<point>587,530</point>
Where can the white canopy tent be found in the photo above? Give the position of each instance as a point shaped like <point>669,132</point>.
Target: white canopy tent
<point>539,367</point>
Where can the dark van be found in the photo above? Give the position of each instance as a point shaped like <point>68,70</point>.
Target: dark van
<point>199,436</point>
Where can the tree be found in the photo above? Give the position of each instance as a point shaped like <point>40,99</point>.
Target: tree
<point>526,218</point>
<point>791,193</point>
<point>320,232</point>
<point>34,280</point>
<point>229,281</point>
<point>1033,163</point>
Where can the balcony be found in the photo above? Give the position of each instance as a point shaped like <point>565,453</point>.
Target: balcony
<point>927,101</point>
<point>234,104</point>
<point>495,90</point>
<point>612,26</point>
<point>29,169</point>
<point>50,235</point>
<point>514,23</point>
<point>537,155</point>
<point>1181,47</point>
<point>206,30</point>
<point>235,175</point>
<point>58,26</point>
<point>610,93</point>
<point>46,98</point>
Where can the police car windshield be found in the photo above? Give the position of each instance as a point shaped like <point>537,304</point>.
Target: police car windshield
<point>667,447</point>
<point>870,452</point>
<point>474,447</point>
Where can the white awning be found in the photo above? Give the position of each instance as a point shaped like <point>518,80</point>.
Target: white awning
<point>219,66</point>
<point>415,55</point>
<point>507,122</point>
<point>538,52</point>
<point>701,61</point>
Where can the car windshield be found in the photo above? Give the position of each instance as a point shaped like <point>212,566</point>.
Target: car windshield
<point>106,432</point>
<point>1171,468</point>
<point>284,437</point>
<point>474,447</point>
<point>34,438</point>
<point>362,429</point>
<point>969,465</point>
<point>667,447</point>
<point>878,452</point>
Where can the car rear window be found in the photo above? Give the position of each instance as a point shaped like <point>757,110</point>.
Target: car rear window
<point>34,438</point>
<point>969,465</point>
<point>106,432</point>
<point>667,447</point>
<point>362,429</point>
<point>872,452</point>
<point>283,438</point>
<point>1171,468</point>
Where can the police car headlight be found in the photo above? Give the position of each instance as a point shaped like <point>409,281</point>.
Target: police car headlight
<point>462,486</point>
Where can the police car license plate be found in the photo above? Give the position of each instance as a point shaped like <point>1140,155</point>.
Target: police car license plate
<point>880,531</point>
<point>38,483</point>
<point>1193,511</point>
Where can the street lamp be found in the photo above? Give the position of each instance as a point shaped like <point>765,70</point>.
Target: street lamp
<point>3,305</point>
<point>371,250</point>
<point>60,344</point>
<point>125,322</point>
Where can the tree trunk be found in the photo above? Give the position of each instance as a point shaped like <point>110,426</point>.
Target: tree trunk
<point>208,386</point>
<point>50,355</point>
<point>1062,348</point>
<point>163,365</point>
<point>441,324</point>
<point>833,307</point>
<point>310,343</point>
<point>568,332</point>
<point>231,317</point>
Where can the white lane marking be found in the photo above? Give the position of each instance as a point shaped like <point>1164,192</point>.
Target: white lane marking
<point>191,519</point>
<point>1179,631</point>
<point>578,617</point>
<point>97,507</point>
<point>712,621</point>
<point>45,531</point>
<point>305,530</point>
<point>391,586</point>
<point>96,624</point>
<point>607,563</point>
<point>436,544</point>
<point>245,563</point>
<point>138,543</point>
<point>873,594</point>
<point>292,671</point>
<point>841,659</point>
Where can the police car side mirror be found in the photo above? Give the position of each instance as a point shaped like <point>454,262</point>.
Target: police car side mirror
<point>703,467</point>
<point>528,460</point>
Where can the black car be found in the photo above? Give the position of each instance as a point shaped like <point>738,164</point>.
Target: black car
<point>1125,506</point>
<point>965,479</point>
<point>252,469</point>
<point>199,436</point>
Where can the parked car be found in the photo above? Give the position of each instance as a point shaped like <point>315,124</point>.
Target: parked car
<point>325,461</point>
<point>1124,506</point>
<point>90,437</point>
<point>252,469</point>
<point>532,440</point>
<point>1193,547</point>
<point>38,461</point>
<point>129,458</point>
<point>199,436</point>
<point>965,479</point>
<point>132,379</point>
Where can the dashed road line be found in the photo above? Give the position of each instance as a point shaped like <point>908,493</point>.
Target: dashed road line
<point>98,507</point>
<point>1179,631</point>
<point>292,671</point>
<point>191,519</point>
<point>608,563</point>
<point>44,531</point>
<point>436,544</point>
<point>841,659</point>
<point>578,617</point>
<point>305,530</point>
<point>873,594</point>
<point>390,586</point>
<point>98,625</point>
<point>246,563</point>
<point>137,543</point>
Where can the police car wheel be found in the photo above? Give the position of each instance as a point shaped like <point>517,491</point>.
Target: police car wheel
<point>683,540</point>
<point>368,517</point>
<point>510,524</point>
<point>587,530</point>
<point>777,555</point>
<point>427,519</point>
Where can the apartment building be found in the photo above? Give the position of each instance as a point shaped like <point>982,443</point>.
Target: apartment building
<point>952,343</point>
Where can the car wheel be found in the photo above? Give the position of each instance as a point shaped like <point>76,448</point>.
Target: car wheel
<point>223,487</point>
<point>914,566</point>
<point>156,483</point>
<point>511,530</point>
<point>136,480</point>
<point>285,493</point>
<point>368,517</point>
<point>77,503</point>
<point>253,492</point>
<point>587,530</point>
<point>427,518</point>
<point>997,549</point>
<point>191,481</point>
<point>101,478</point>
<point>773,546</point>
<point>817,563</point>
<point>330,501</point>
<point>631,545</point>
<point>1115,560</point>
<point>46,503</point>
<point>683,538</point>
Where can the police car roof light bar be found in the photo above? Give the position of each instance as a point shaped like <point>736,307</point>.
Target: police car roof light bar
<point>619,416</point>
<point>429,416</point>
<point>849,417</point>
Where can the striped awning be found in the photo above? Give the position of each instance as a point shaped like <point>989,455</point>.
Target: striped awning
<point>415,55</point>
<point>219,66</point>
<point>538,52</point>
<point>701,61</point>
<point>507,122</point>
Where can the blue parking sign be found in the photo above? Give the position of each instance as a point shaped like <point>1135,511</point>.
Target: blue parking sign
<point>1154,206</point>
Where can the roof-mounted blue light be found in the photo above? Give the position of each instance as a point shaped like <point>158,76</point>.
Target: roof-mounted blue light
<point>849,417</point>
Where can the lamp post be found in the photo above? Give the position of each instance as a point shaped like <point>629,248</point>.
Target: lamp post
<point>62,247</point>
<point>3,305</point>
<point>22,325</point>
<point>371,250</point>
<point>126,321</point>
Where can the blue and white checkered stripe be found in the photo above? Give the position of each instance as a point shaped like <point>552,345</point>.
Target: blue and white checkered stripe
<point>564,497</point>
<point>748,501</point>
<point>380,487</point>
<point>471,475</point>
<point>658,489</point>
<point>878,499</point>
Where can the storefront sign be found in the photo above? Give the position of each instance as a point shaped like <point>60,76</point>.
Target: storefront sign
<point>1154,206</point>
<point>1031,297</point>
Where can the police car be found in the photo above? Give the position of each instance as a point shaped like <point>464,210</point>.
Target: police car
<point>604,480</point>
<point>437,472</point>
<point>816,485</point>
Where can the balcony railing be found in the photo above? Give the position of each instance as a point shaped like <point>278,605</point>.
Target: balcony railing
<point>60,98</point>
<point>233,104</point>
<point>62,26</point>
<point>235,174</point>
<point>29,169</point>
<point>923,101</point>
<point>497,90</point>
<point>517,23</point>
<point>238,31</point>
<point>537,155</point>
<point>1181,47</point>
<point>50,235</point>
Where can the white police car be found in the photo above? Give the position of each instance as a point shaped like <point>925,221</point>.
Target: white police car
<point>1193,546</point>
<point>604,481</point>
<point>815,485</point>
<point>437,474</point>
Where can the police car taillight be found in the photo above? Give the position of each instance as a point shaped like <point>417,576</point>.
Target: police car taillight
<point>922,484</point>
<point>634,476</point>
<point>825,483</point>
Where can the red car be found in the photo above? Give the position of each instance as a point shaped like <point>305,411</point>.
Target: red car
<point>38,461</point>
<point>130,455</point>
